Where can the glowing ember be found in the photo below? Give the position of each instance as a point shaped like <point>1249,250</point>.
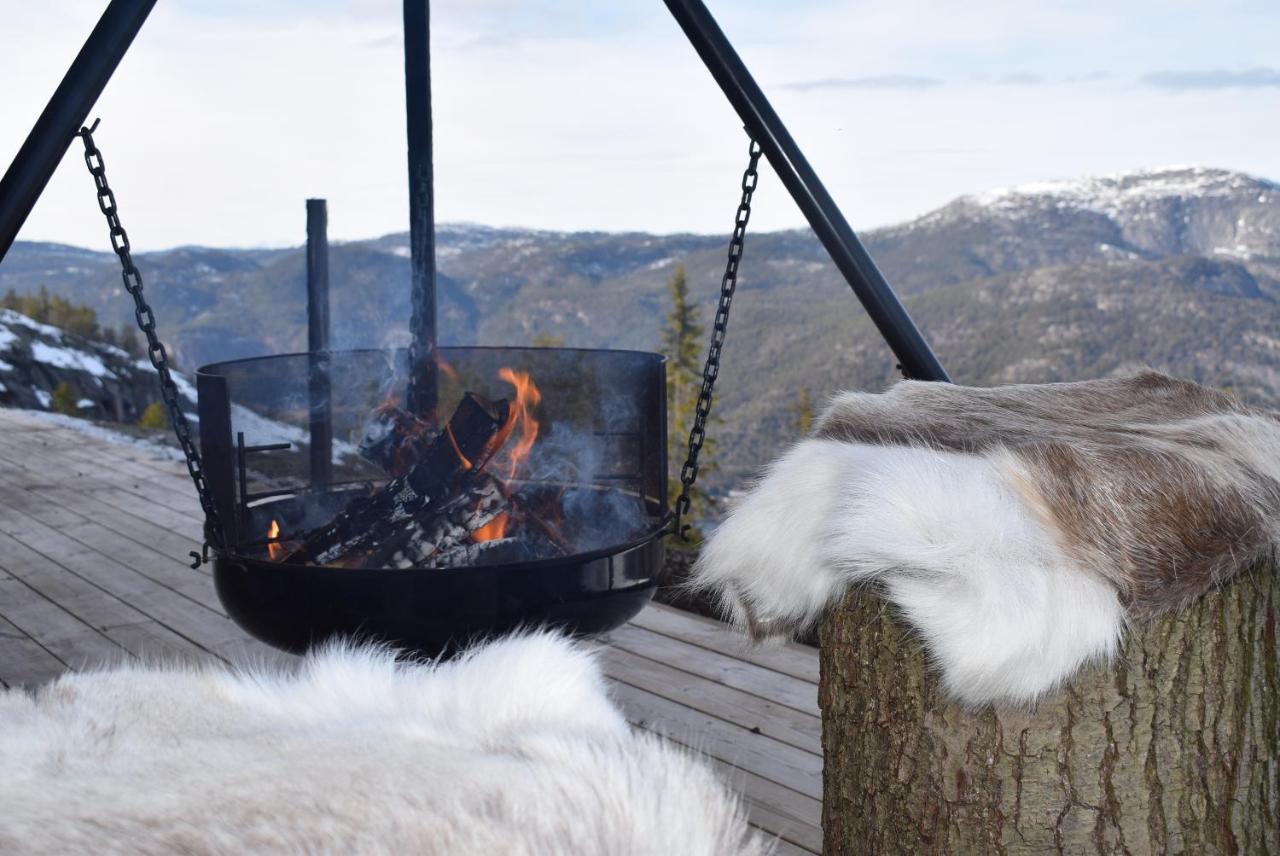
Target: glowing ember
<point>527,398</point>
<point>493,530</point>
<point>274,549</point>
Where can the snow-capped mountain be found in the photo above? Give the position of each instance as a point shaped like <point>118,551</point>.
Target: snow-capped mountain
<point>1156,213</point>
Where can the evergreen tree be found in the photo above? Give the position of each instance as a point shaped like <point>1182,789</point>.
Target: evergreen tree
<point>40,309</point>
<point>682,343</point>
<point>802,412</point>
<point>548,340</point>
<point>131,341</point>
<point>154,417</point>
<point>64,400</point>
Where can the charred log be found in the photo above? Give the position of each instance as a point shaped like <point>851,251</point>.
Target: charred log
<point>371,526</point>
<point>395,440</point>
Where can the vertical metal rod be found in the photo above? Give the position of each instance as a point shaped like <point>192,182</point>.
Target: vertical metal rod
<point>66,111</point>
<point>214,405</point>
<point>851,258</point>
<point>321,440</point>
<point>422,248</point>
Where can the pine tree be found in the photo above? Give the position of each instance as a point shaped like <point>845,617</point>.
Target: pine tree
<point>154,416</point>
<point>548,340</point>
<point>802,412</point>
<point>682,343</point>
<point>64,400</point>
<point>131,342</point>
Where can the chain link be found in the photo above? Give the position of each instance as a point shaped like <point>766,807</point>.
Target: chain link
<point>698,433</point>
<point>213,532</point>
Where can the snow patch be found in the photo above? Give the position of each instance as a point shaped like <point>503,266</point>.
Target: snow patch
<point>8,316</point>
<point>1111,194</point>
<point>69,358</point>
<point>43,397</point>
<point>5,367</point>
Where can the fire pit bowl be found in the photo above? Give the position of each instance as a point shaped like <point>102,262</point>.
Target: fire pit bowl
<point>533,494</point>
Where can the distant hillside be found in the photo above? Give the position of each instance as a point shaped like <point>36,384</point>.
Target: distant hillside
<point>1176,268</point>
<point>101,380</point>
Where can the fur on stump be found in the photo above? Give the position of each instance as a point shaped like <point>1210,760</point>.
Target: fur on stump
<point>1174,746</point>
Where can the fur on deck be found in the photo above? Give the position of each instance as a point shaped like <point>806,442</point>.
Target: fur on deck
<point>1018,529</point>
<point>513,749</point>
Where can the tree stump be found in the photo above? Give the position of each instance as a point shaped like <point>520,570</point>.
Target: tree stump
<point>1174,747</point>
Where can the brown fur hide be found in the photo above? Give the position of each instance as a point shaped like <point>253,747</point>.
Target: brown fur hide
<point>1160,485</point>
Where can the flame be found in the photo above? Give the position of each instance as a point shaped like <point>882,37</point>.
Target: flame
<point>447,370</point>
<point>527,398</point>
<point>453,441</point>
<point>274,550</point>
<point>493,530</point>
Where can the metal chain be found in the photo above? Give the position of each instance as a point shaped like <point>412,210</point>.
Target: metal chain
<point>698,434</point>
<point>213,532</point>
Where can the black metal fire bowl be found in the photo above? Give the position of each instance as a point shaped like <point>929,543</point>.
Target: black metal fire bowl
<point>278,437</point>
<point>434,612</point>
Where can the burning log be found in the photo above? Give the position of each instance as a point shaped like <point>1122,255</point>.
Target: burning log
<point>441,509</point>
<point>395,439</point>
<point>373,527</point>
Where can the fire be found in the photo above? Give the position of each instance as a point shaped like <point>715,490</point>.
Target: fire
<point>453,441</point>
<point>527,398</point>
<point>274,549</point>
<point>493,530</point>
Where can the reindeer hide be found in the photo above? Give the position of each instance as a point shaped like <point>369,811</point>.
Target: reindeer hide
<point>1017,528</point>
<point>514,748</point>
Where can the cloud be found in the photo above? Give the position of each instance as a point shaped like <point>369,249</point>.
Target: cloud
<point>884,81</point>
<point>1021,78</point>
<point>1250,78</point>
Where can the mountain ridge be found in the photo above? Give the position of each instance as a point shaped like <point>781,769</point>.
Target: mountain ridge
<point>1177,268</point>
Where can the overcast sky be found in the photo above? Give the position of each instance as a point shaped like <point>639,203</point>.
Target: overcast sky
<point>586,114</point>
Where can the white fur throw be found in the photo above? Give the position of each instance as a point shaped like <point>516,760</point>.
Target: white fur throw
<point>513,748</point>
<point>1017,529</point>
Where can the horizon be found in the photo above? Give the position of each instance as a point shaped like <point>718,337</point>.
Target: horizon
<point>563,115</point>
<point>1050,185</point>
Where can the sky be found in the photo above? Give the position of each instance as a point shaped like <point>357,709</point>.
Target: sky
<point>584,114</point>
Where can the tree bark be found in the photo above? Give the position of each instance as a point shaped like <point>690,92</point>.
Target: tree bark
<point>1174,747</point>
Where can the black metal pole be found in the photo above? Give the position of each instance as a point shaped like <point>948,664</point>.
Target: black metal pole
<point>318,342</point>
<point>851,258</point>
<point>422,245</point>
<point>66,111</point>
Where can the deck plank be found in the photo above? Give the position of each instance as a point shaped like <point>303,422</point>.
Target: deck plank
<point>756,714</point>
<point>793,768</point>
<point>789,658</point>
<point>93,539</point>
<point>24,662</point>
<point>721,668</point>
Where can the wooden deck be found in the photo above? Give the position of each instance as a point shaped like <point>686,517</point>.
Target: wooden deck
<point>93,540</point>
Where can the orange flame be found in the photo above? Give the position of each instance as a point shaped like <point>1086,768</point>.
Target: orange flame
<point>527,398</point>
<point>453,441</point>
<point>493,530</point>
<point>274,550</point>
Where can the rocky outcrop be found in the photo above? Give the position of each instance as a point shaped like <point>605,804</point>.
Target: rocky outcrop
<point>105,382</point>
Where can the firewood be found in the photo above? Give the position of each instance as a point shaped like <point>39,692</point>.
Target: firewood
<point>359,533</point>
<point>395,439</point>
